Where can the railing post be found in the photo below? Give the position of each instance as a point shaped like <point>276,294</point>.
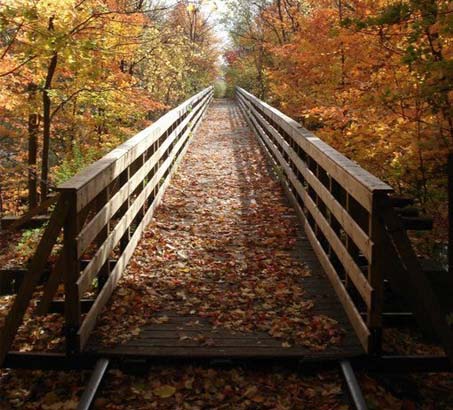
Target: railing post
<point>71,274</point>
<point>375,275</point>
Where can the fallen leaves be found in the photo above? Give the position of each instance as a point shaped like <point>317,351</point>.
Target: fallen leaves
<point>224,246</point>
<point>31,390</point>
<point>170,388</point>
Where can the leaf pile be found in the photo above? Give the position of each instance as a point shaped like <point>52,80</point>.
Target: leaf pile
<point>221,246</point>
<point>37,333</point>
<point>31,390</point>
<point>195,388</point>
<point>182,388</point>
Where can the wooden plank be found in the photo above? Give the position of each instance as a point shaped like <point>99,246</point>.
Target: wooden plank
<point>356,233</point>
<point>350,175</point>
<point>353,271</point>
<point>89,232</point>
<point>191,332</point>
<point>250,353</point>
<point>103,297</point>
<point>97,176</point>
<point>90,272</point>
<point>171,336</point>
<point>417,223</point>
<point>206,340</point>
<point>22,220</point>
<point>37,265</point>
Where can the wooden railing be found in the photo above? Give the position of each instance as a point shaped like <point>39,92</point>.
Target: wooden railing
<point>337,202</point>
<point>103,212</point>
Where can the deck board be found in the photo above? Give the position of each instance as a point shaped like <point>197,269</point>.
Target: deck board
<point>191,336</point>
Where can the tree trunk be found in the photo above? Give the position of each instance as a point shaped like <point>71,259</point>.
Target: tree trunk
<point>282,22</point>
<point>342,51</point>
<point>46,102</point>
<point>1,205</point>
<point>33,128</point>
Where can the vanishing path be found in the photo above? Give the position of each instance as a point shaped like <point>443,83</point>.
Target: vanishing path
<point>223,269</point>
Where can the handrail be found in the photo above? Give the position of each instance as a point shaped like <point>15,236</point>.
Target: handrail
<point>359,182</point>
<point>93,179</point>
<point>107,207</point>
<point>337,202</point>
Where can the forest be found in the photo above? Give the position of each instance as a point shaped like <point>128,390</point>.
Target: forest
<point>79,77</point>
<point>238,204</point>
<point>371,78</point>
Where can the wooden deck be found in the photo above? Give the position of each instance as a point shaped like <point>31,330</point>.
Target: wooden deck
<point>194,337</point>
<point>191,336</point>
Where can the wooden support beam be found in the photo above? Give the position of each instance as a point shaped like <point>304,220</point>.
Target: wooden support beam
<point>28,216</point>
<point>376,269</point>
<point>406,274</point>
<point>37,265</point>
<point>398,201</point>
<point>56,277</point>
<point>48,361</point>
<point>34,222</point>
<point>71,258</point>
<point>419,223</point>
<point>403,364</point>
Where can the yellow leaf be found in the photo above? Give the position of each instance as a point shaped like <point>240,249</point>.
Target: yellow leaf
<point>165,391</point>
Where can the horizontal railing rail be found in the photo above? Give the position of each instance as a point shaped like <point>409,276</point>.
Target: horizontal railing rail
<point>337,201</point>
<point>113,201</point>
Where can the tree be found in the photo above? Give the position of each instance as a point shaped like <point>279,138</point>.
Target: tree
<point>79,76</point>
<point>373,79</point>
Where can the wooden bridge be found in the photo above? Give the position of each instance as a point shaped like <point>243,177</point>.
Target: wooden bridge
<point>351,237</point>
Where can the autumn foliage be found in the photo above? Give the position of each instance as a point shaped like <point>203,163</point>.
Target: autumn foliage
<point>78,77</point>
<point>371,78</point>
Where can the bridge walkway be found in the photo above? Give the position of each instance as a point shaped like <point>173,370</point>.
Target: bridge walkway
<point>224,270</point>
